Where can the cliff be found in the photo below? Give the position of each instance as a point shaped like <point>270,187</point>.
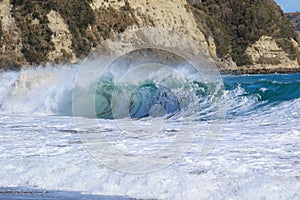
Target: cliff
<point>251,33</point>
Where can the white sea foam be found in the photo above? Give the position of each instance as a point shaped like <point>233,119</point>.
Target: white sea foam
<point>46,152</point>
<point>256,156</point>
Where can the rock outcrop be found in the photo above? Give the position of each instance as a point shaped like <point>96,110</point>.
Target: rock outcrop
<point>172,15</point>
<point>11,43</point>
<point>266,52</point>
<point>61,38</point>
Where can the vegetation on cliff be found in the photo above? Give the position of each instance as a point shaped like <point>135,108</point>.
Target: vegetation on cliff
<point>1,32</point>
<point>88,27</point>
<point>295,19</point>
<point>233,24</point>
<point>31,18</point>
<point>237,24</point>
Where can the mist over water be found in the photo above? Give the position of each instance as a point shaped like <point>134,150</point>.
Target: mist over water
<point>44,90</point>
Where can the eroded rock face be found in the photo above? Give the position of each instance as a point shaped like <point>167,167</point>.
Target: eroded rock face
<point>61,38</point>
<point>8,21</point>
<point>266,52</point>
<point>172,15</point>
<point>96,4</point>
<point>11,41</point>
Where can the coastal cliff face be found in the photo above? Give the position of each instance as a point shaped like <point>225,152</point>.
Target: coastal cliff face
<point>234,33</point>
<point>253,33</point>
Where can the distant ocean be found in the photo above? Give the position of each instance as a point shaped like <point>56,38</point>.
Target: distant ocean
<point>256,154</point>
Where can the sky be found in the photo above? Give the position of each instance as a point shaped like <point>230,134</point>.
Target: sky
<point>289,5</point>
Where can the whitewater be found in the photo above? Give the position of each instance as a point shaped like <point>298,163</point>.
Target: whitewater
<point>256,154</point>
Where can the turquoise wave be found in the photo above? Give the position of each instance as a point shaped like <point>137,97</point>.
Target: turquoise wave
<point>267,88</point>
<point>260,93</point>
<point>142,100</point>
<point>241,95</point>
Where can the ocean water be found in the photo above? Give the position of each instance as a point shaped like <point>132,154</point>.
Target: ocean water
<point>163,144</point>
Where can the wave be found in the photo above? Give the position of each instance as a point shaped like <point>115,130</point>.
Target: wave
<point>146,100</point>
<point>49,90</point>
<point>261,94</point>
<point>161,92</point>
<point>42,90</point>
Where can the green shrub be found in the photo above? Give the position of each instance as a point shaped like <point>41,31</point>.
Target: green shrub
<point>36,36</point>
<point>109,20</point>
<point>1,35</point>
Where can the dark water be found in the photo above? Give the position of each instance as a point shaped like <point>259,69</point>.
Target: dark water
<point>34,194</point>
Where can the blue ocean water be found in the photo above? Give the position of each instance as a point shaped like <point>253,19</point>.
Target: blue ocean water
<point>267,91</point>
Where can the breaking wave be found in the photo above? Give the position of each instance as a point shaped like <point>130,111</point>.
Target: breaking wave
<point>49,90</point>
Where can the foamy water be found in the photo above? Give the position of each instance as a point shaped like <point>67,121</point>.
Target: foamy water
<point>256,156</point>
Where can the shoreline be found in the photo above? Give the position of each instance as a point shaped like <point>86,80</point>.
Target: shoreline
<point>255,71</point>
<point>223,71</point>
